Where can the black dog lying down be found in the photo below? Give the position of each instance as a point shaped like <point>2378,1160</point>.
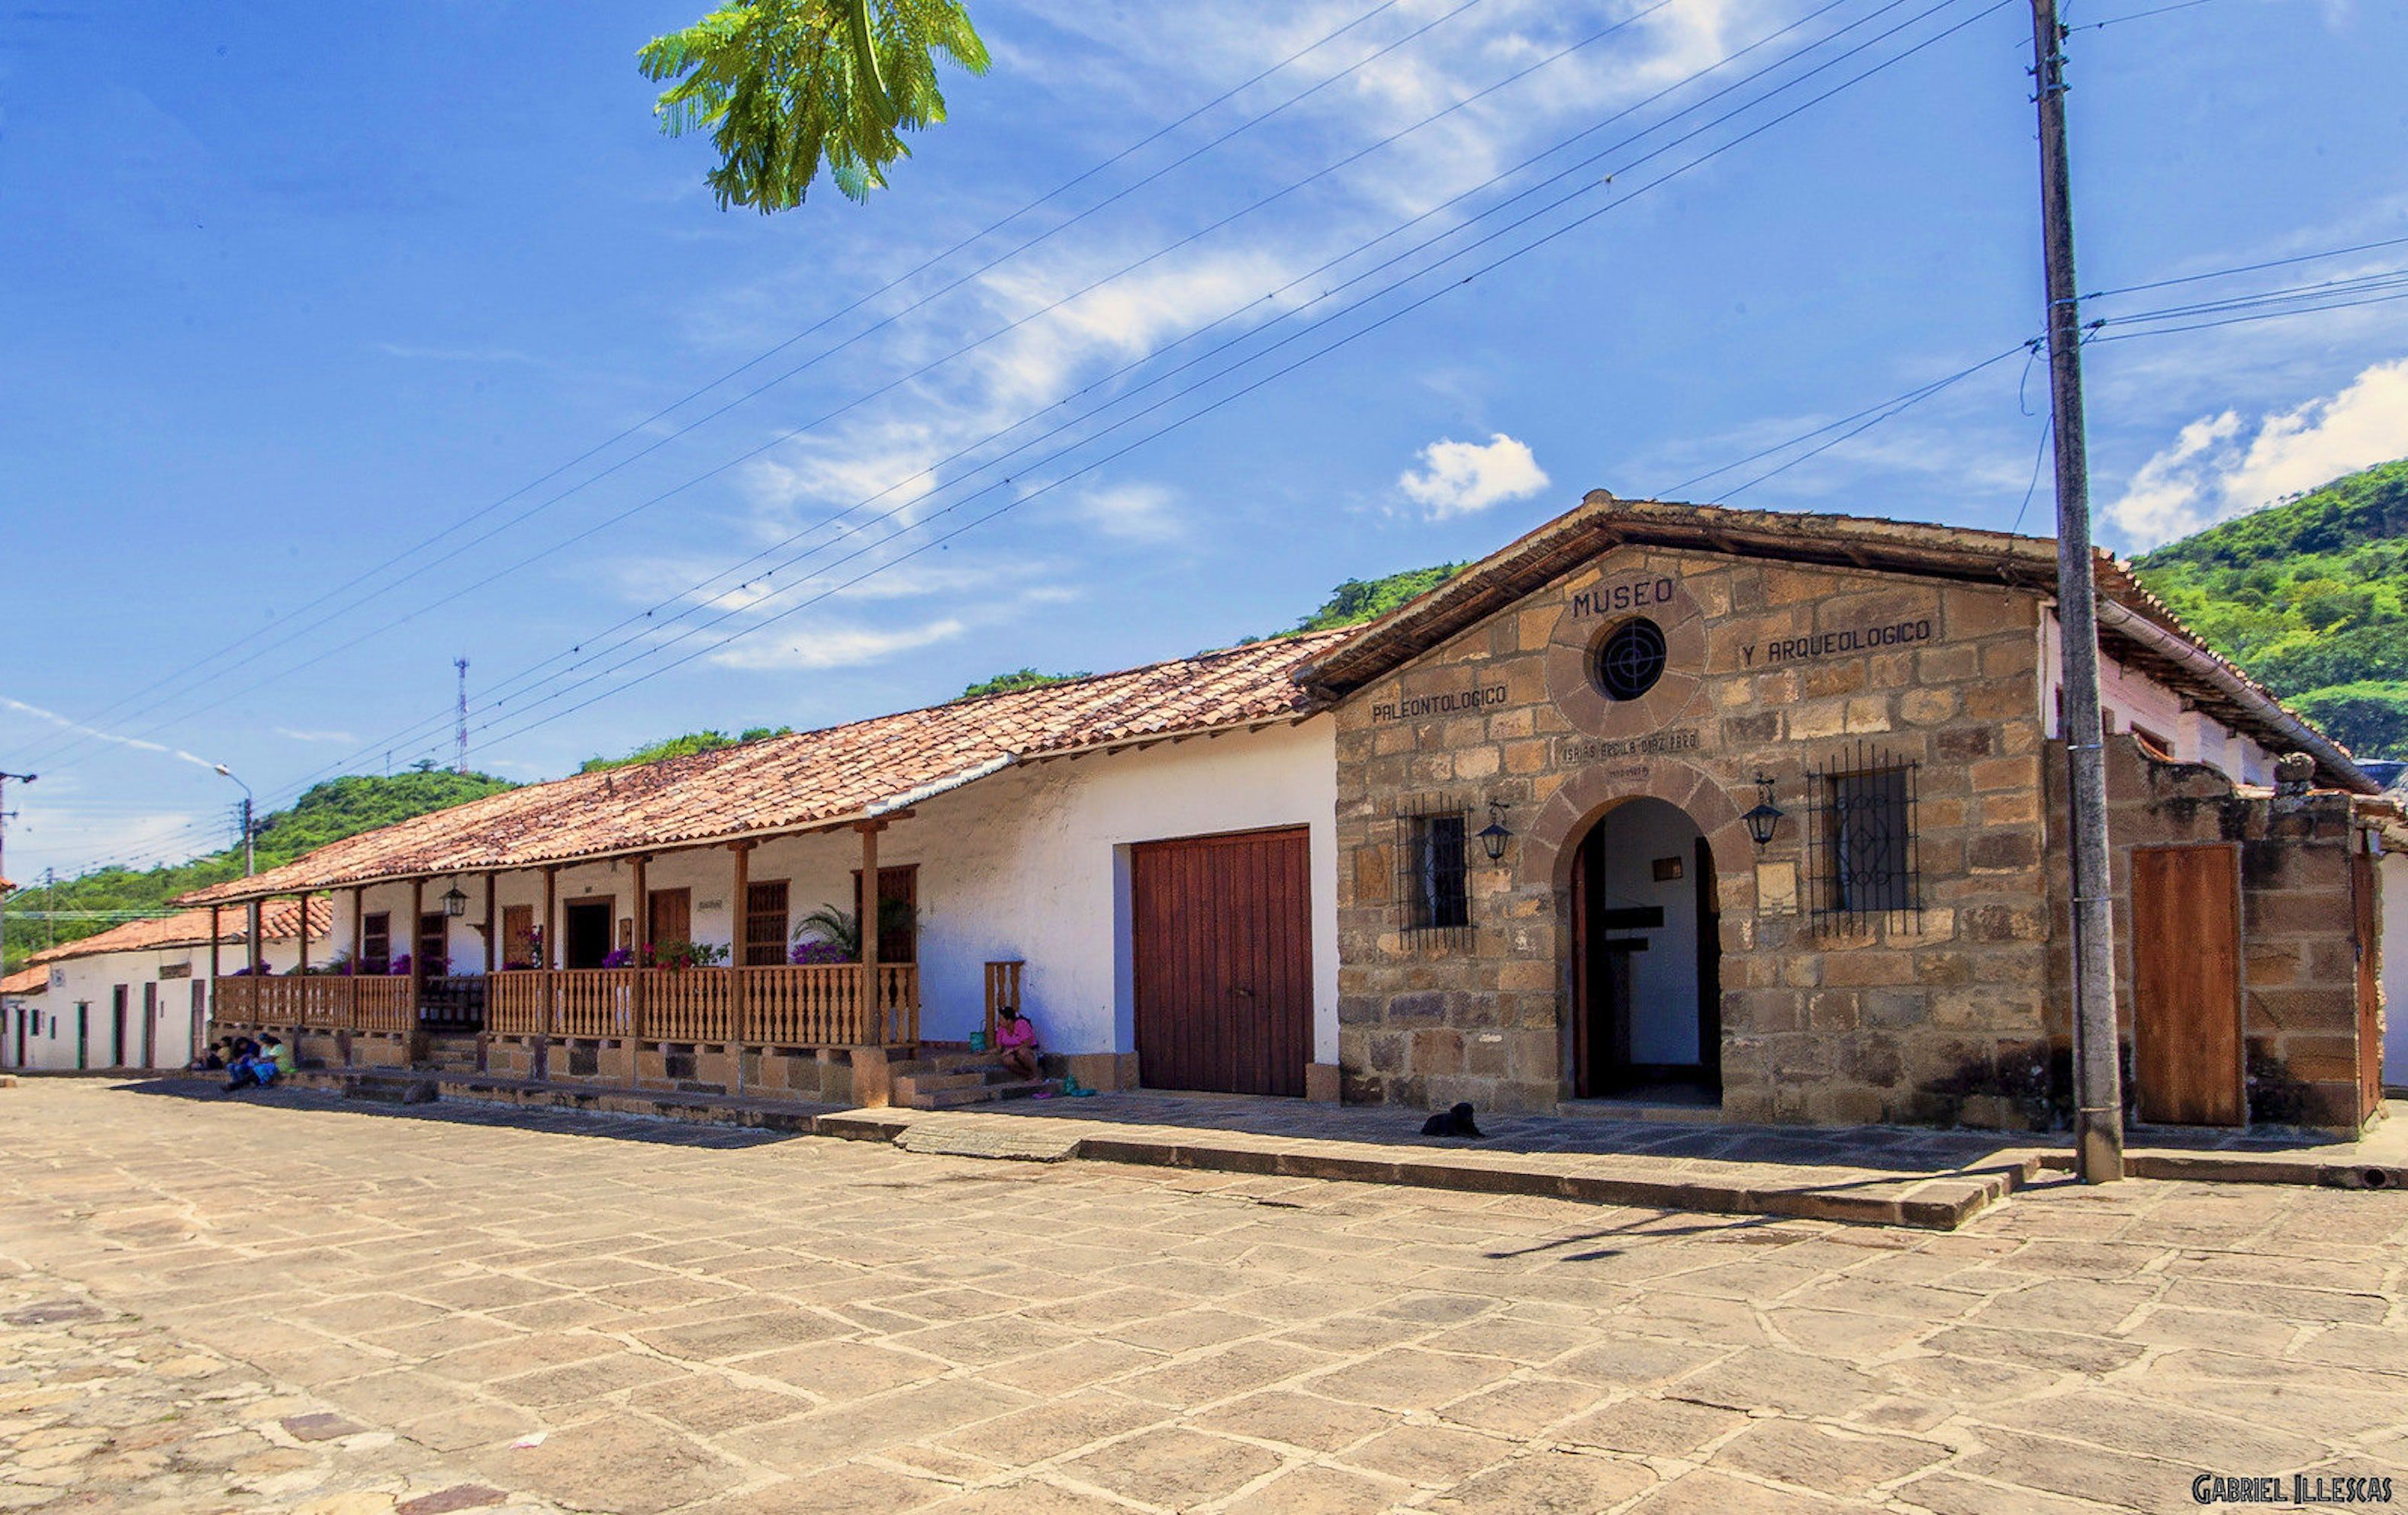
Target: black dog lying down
<point>1454,1122</point>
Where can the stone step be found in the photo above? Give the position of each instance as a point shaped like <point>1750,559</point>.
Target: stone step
<point>908,1084</point>
<point>391,1090</point>
<point>979,1093</point>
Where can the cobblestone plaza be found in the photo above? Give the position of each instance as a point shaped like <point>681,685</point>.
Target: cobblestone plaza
<point>282,1305</point>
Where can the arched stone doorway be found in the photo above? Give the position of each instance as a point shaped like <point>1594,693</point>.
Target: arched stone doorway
<point>1645,1005</point>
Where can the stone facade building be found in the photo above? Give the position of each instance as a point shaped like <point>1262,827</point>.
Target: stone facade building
<point>1752,813</point>
<point>1609,699</point>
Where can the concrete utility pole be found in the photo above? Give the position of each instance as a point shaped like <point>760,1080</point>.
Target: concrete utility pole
<point>460,719</point>
<point>22,779</point>
<point>2097,1076</point>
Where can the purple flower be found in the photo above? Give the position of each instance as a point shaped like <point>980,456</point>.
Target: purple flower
<point>813,953</point>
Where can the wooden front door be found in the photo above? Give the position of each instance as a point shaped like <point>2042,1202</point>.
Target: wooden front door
<point>518,937</point>
<point>765,925</point>
<point>1222,960</point>
<point>434,945</point>
<point>2186,935</point>
<point>2369,944</point>
<point>672,916</point>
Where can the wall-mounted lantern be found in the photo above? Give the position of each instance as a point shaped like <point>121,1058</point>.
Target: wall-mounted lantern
<point>1492,837</point>
<point>1766,816</point>
<point>455,904</point>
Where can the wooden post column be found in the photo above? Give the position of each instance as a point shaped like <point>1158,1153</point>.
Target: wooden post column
<point>359,929</point>
<point>642,937</point>
<point>251,931</point>
<point>417,949</point>
<point>740,917</point>
<point>491,884</point>
<point>301,937</point>
<point>873,1012</point>
<point>548,952</point>
<point>215,931</point>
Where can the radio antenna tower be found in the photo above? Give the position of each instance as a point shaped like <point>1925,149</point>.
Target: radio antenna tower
<point>460,720</point>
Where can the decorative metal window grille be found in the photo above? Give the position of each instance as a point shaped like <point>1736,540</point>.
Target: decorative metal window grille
<point>1433,874</point>
<point>1630,659</point>
<point>1863,855</point>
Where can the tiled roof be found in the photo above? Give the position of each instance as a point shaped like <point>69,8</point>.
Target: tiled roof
<point>26,981</point>
<point>190,928</point>
<point>1602,523</point>
<point>813,777</point>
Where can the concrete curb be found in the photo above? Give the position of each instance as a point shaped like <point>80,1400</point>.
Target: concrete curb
<point>1935,1201</point>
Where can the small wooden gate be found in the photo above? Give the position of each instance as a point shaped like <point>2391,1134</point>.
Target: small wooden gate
<point>1222,962</point>
<point>2186,935</point>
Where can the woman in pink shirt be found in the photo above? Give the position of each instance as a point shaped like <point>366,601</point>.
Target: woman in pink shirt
<point>1015,1038</point>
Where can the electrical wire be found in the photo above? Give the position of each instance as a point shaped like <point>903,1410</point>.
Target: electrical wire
<point>640,426</point>
<point>1509,256</point>
<point>428,723</point>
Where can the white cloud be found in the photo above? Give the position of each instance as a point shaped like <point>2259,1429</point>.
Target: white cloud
<point>315,736</point>
<point>831,647</point>
<point>1132,512</point>
<point>1458,478</point>
<point>97,735</point>
<point>2207,474</point>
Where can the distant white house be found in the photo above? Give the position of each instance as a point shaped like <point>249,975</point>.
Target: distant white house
<point>134,996</point>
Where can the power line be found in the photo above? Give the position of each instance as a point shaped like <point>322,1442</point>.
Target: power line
<point>1258,384</point>
<point>1491,237</point>
<point>858,304</point>
<point>2248,268</point>
<point>789,434</point>
<point>1366,329</point>
<point>505,690</point>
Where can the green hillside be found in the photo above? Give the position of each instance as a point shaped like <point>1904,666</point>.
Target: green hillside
<point>1358,600</point>
<point>327,812</point>
<point>2311,597</point>
<point>685,746</point>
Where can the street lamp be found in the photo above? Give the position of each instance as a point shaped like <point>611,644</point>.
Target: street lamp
<point>455,904</point>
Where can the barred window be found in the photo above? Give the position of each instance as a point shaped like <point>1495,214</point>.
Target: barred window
<point>1868,863</point>
<point>1433,884</point>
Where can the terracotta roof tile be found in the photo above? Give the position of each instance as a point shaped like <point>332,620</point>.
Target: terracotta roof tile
<point>190,928</point>
<point>26,981</point>
<point>813,777</point>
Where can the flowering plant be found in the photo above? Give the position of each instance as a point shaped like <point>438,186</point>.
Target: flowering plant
<point>682,955</point>
<point>619,957</point>
<point>813,953</point>
<point>399,965</point>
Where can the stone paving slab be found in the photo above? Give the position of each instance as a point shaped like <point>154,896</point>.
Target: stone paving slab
<point>658,1319</point>
<point>99,1410</point>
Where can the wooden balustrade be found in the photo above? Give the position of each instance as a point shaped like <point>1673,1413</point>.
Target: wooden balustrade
<point>380,1002</point>
<point>816,1005</point>
<point>595,1002</point>
<point>514,1002</point>
<point>688,1005</point>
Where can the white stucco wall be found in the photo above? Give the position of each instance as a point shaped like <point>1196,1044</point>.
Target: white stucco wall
<point>89,982</point>
<point>2128,698</point>
<point>2394,868</point>
<point>1030,862</point>
<point>1663,978</point>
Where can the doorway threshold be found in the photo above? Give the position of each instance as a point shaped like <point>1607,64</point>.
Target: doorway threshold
<point>1692,1103</point>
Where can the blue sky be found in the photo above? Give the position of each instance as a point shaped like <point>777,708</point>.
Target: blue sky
<point>287,290</point>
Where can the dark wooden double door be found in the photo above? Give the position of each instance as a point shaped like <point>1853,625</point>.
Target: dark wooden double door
<point>1220,957</point>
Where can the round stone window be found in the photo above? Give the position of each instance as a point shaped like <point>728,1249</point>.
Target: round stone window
<point>1630,659</point>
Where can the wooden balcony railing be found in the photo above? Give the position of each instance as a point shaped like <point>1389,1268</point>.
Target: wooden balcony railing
<point>784,1005</point>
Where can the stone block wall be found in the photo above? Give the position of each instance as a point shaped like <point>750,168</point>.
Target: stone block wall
<point>1771,670</point>
<point>2299,946</point>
